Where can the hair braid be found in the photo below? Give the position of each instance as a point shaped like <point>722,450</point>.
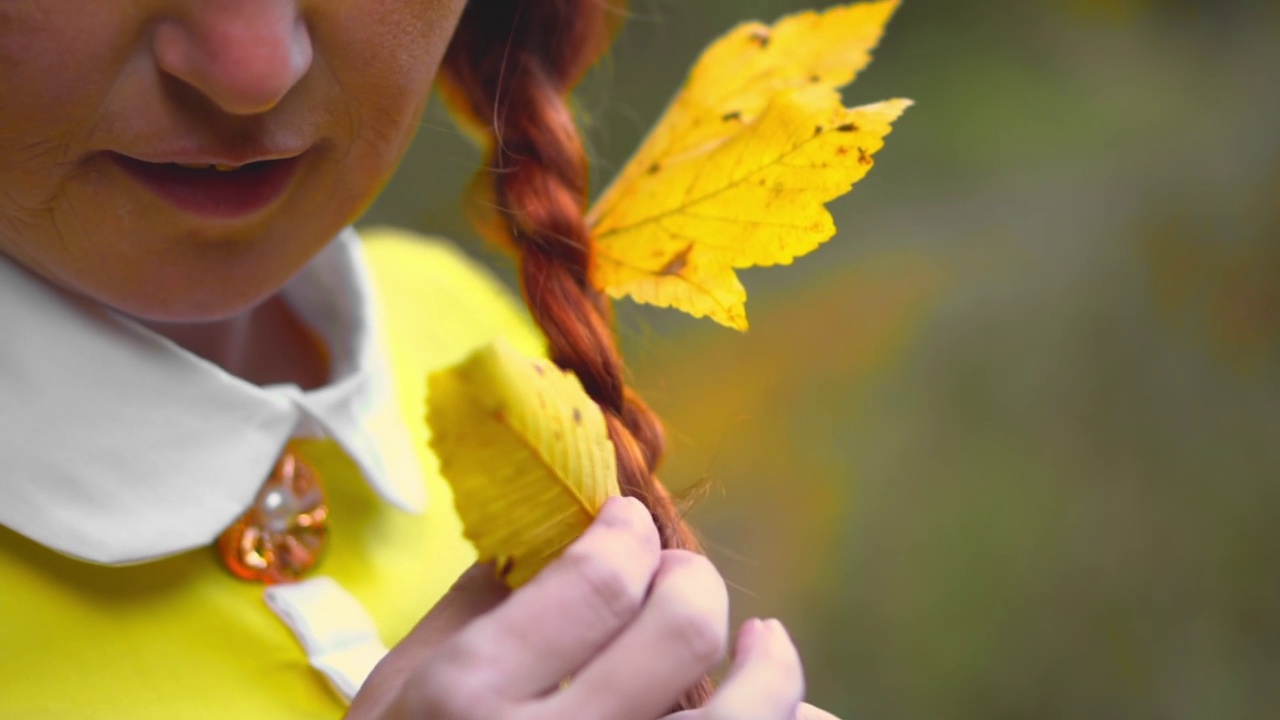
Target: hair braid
<point>510,69</point>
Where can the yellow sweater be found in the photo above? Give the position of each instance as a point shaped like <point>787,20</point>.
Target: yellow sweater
<point>181,637</point>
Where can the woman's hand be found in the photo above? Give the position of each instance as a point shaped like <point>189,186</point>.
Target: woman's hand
<point>633,626</point>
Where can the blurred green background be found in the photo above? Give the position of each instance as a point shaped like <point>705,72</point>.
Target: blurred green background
<point>1009,445</point>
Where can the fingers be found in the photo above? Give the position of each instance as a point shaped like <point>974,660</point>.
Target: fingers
<point>633,626</point>
<point>809,712</point>
<point>551,627</point>
<point>804,712</point>
<point>766,681</point>
<point>678,636</point>
<point>474,593</point>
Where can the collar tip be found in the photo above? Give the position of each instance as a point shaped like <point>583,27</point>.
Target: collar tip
<point>414,503</point>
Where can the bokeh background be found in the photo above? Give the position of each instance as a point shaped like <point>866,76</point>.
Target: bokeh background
<point>1009,445</point>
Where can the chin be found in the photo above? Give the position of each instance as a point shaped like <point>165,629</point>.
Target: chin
<point>187,309</point>
<point>201,282</point>
<point>198,292</point>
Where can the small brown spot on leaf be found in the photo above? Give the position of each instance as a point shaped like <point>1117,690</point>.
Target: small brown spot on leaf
<point>847,127</point>
<point>761,38</point>
<point>817,130</point>
<point>815,79</point>
<point>678,261</point>
<point>654,168</point>
<point>863,157</point>
<point>577,416</point>
<point>842,151</point>
<point>731,116</point>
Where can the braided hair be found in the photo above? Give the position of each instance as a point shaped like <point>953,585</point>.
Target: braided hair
<point>508,73</point>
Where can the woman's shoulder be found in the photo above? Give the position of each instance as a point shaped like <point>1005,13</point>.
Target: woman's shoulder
<point>429,253</point>
<point>432,292</point>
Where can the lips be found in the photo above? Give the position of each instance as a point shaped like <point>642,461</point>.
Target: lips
<point>216,190</point>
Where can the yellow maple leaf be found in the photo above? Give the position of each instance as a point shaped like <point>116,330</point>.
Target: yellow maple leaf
<point>738,170</point>
<point>526,452</point>
<point>735,174</point>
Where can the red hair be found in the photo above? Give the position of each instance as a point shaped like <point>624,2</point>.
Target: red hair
<point>509,72</point>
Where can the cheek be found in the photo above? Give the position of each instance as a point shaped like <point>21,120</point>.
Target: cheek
<point>58,61</point>
<point>57,57</point>
<point>385,54</point>
<point>397,44</point>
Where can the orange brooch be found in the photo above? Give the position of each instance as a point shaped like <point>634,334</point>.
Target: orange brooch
<point>281,535</point>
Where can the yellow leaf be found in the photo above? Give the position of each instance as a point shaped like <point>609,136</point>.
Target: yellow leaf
<point>737,171</point>
<point>526,452</point>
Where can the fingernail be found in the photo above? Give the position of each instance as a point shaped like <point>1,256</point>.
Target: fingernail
<point>616,510</point>
<point>748,638</point>
<point>610,512</point>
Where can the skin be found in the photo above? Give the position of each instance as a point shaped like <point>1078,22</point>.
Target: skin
<point>646,623</point>
<point>343,82</point>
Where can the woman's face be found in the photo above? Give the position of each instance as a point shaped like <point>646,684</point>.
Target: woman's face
<point>288,116</point>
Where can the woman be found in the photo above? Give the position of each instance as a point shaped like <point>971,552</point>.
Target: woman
<point>180,301</point>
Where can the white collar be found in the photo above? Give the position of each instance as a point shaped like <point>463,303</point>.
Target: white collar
<point>117,446</point>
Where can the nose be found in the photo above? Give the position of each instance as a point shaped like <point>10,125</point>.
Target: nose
<point>244,55</point>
